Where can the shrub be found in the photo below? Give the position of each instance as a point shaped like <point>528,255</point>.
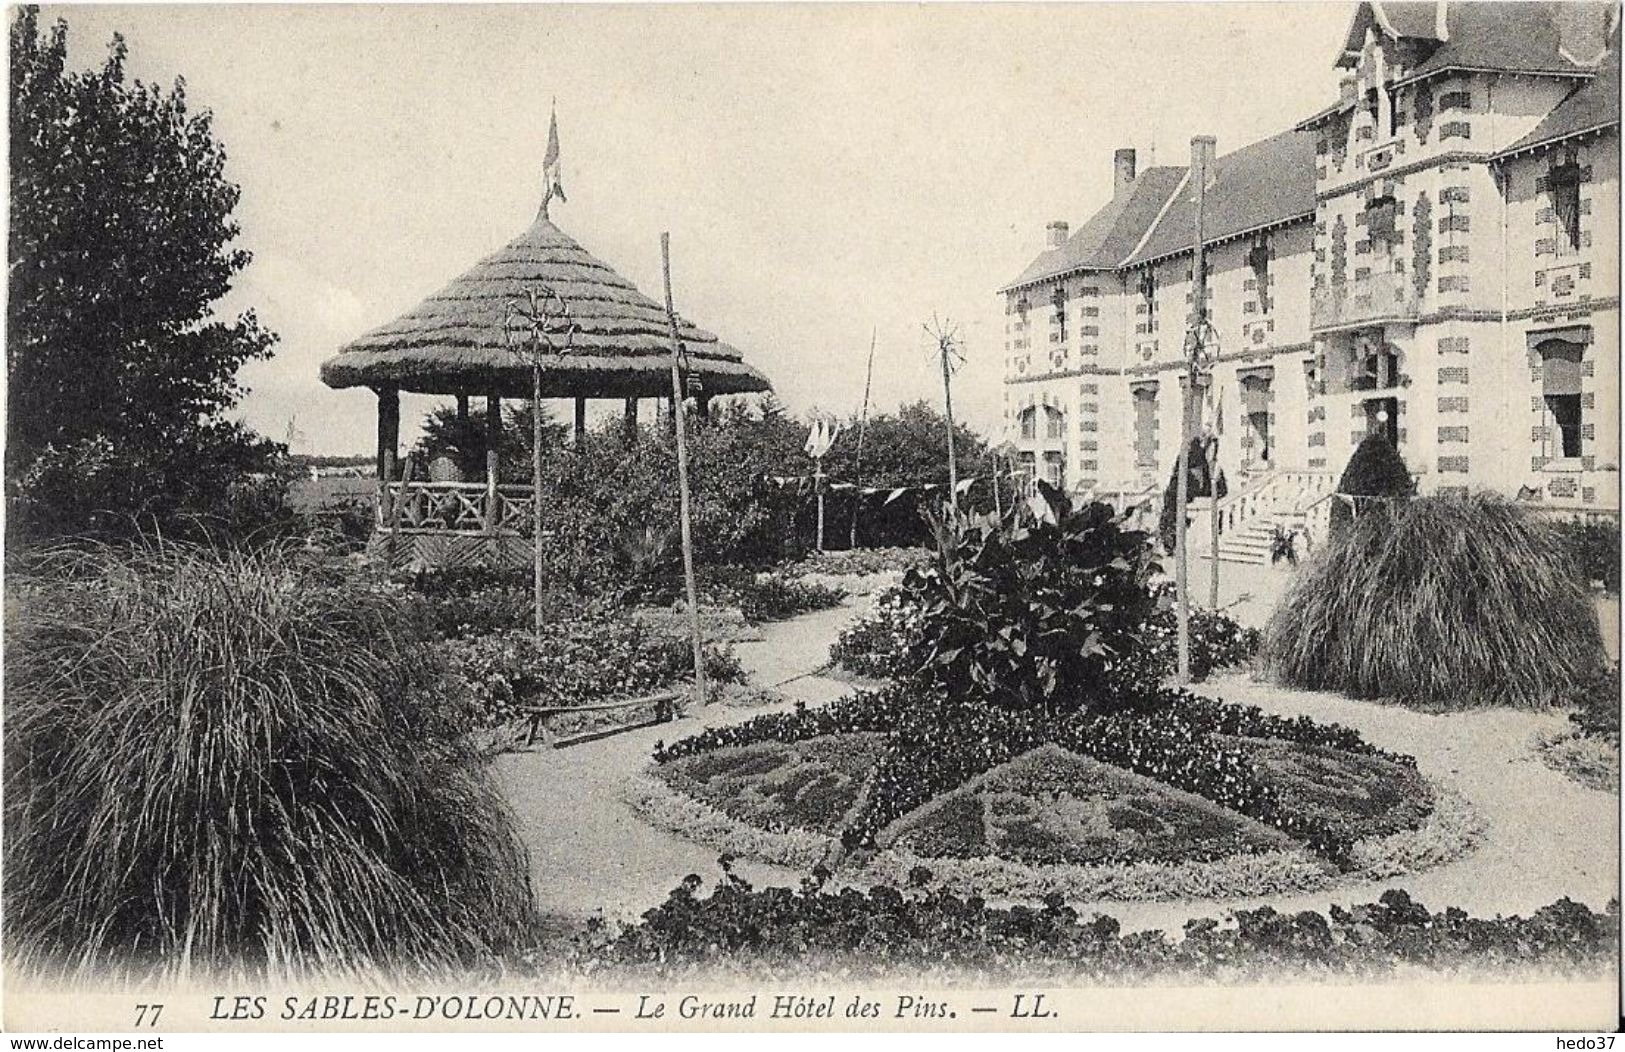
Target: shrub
<point>1594,547</point>
<point>764,597</point>
<point>1596,703</point>
<point>228,759</point>
<point>577,661</point>
<point>1456,602</point>
<point>880,644</point>
<point>771,932</point>
<point>1375,475</point>
<point>1200,482</point>
<point>1027,611</point>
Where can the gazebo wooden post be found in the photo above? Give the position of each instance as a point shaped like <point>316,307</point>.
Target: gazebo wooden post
<point>389,437</point>
<point>629,423</point>
<point>702,409</point>
<point>493,438</point>
<point>462,407</point>
<point>581,421</point>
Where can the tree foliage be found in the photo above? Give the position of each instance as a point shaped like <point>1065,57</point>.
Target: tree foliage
<point>121,243</point>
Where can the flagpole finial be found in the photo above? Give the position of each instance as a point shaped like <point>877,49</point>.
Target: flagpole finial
<point>553,185</point>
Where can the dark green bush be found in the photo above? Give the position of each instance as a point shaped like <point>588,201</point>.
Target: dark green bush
<point>1594,547</point>
<point>882,644</point>
<point>780,931</point>
<point>586,658</point>
<point>241,760</point>
<point>1375,476</point>
<point>1200,481</point>
<point>1596,703</point>
<point>1458,602</point>
<point>1027,612</point>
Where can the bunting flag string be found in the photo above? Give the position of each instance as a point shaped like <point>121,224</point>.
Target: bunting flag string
<point>805,483</point>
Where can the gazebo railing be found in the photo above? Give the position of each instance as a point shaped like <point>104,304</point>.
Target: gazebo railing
<point>455,507</point>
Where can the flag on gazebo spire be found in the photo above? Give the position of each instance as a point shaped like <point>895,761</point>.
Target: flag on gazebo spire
<point>551,176</point>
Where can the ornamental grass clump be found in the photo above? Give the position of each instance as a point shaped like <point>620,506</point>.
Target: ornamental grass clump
<point>1442,601</point>
<point>227,760</point>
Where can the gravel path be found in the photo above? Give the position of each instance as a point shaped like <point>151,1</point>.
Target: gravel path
<point>589,853</point>
<point>1545,837</point>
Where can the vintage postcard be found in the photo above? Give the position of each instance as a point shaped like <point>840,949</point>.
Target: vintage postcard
<point>812,518</point>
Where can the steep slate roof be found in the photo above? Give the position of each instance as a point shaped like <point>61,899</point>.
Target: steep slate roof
<point>1590,107</point>
<point>456,341</point>
<point>1108,236</point>
<point>1261,185</point>
<point>1512,37</point>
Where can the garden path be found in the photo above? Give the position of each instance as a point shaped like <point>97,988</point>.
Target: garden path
<point>590,854</point>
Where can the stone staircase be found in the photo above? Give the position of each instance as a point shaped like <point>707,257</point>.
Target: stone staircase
<point>1295,501</point>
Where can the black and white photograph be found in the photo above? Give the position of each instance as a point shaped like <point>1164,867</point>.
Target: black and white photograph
<point>812,518</point>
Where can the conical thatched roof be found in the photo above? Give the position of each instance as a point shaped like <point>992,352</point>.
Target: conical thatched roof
<point>456,341</point>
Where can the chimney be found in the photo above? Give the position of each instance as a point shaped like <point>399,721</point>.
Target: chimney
<point>1582,31</point>
<point>1055,234</point>
<point>1122,171</point>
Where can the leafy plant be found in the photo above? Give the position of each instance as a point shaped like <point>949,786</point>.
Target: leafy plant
<point>1026,611</point>
<point>1284,545</point>
<point>1594,547</point>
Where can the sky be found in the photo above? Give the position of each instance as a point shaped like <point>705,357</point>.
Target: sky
<point>826,171</point>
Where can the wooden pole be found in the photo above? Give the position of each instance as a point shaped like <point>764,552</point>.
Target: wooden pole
<point>1213,520</point>
<point>1201,152</point>
<point>682,475</point>
<point>863,423</point>
<point>581,422</point>
<point>948,404</point>
<point>536,486</point>
<point>493,436</point>
<point>818,487</point>
<point>389,437</point>
<point>629,422</point>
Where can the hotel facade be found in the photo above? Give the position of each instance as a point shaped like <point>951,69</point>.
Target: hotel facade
<point>1434,256</point>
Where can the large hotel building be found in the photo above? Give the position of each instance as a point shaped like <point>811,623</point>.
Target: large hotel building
<point>1435,255</point>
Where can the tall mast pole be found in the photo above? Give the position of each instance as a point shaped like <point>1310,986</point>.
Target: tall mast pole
<point>863,423</point>
<point>1201,156</point>
<point>943,342</point>
<point>682,475</point>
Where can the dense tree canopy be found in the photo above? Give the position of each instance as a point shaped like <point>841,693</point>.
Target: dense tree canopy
<point>121,243</point>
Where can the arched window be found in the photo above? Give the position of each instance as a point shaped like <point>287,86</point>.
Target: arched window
<point>1054,423</point>
<point>1029,423</point>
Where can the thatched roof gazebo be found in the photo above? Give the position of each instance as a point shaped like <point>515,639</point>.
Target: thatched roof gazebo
<point>459,342</point>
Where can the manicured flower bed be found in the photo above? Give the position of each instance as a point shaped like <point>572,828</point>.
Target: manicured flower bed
<point>1258,766</point>
<point>780,932</point>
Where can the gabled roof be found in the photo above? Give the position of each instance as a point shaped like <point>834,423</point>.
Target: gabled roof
<point>1262,185</point>
<point>1108,236</point>
<point>1591,107</point>
<point>456,341</point>
<point>1410,19</point>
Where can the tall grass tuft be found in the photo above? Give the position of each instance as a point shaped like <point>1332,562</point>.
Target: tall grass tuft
<point>221,761</point>
<point>1450,602</point>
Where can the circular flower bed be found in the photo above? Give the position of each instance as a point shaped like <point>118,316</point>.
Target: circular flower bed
<point>1178,797</point>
